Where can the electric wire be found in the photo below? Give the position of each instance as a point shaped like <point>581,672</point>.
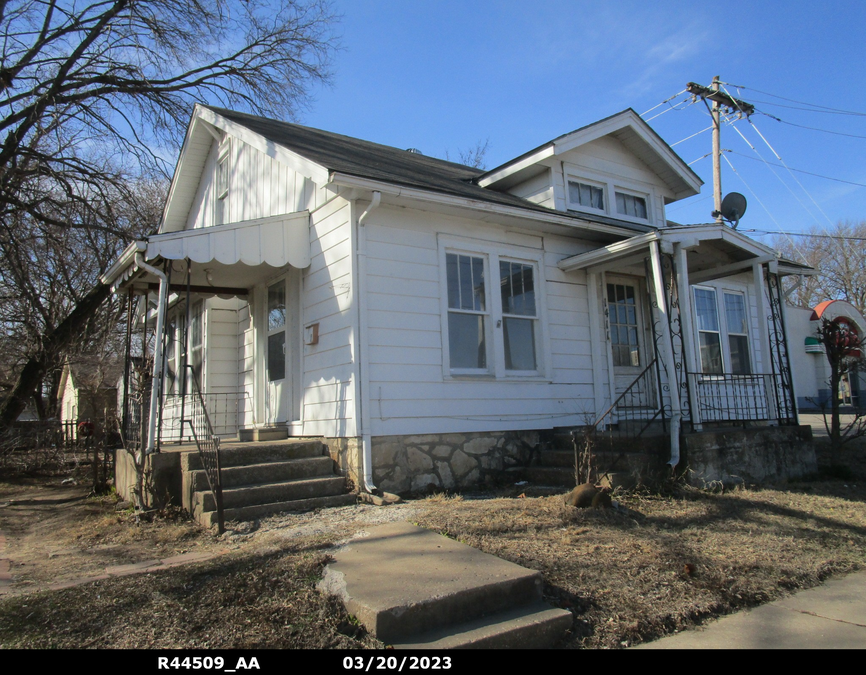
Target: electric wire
<point>807,234</point>
<point>791,100</point>
<point>697,133</point>
<point>682,105</point>
<point>749,188</point>
<point>808,173</point>
<point>663,102</point>
<point>804,126</point>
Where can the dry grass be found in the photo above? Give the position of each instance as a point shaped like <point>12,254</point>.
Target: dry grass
<point>658,563</point>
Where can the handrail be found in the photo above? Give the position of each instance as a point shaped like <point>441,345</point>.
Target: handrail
<point>208,444</point>
<point>627,392</point>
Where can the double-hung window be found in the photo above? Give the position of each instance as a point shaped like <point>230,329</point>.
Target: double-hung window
<point>493,314</point>
<point>467,312</point>
<point>723,336</point>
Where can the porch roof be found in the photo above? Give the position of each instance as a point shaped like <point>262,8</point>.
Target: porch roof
<point>713,251</point>
<point>231,258</point>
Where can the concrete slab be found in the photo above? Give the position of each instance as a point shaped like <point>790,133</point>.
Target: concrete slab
<point>768,627</point>
<point>838,599</point>
<point>401,580</point>
<point>829,616</point>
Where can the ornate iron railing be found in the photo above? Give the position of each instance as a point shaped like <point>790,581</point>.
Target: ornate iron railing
<point>207,442</point>
<point>630,415</point>
<point>740,399</point>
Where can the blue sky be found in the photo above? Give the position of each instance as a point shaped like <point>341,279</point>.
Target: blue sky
<point>442,76</point>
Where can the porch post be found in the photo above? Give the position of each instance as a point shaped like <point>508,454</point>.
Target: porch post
<point>596,341</point>
<point>764,327</point>
<point>685,297</point>
<point>666,349</point>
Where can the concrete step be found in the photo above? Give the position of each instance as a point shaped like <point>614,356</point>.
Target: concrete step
<point>244,454</point>
<point>557,458</point>
<point>209,518</point>
<point>274,433</point>
<point>412,587</point>
<point>269,472</point>
<point>271,493</point>
<point>535,626</point>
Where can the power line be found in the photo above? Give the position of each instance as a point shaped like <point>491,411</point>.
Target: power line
<point>806,234</point>
<point>791,100</point>
<point>803,126</point>
<point>663,102</point>
<point>808,173</point>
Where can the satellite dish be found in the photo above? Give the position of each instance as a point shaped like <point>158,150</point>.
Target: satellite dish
<point>733,208</point>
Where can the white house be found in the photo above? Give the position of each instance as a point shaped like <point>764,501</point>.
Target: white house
<point>427,319</point>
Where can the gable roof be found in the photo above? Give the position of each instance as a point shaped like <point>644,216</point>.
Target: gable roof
<point>326,153</point>
<point>627,127</point>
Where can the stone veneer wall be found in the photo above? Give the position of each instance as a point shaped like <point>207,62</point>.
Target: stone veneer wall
<point>448,461</point>
<point>347,453</point>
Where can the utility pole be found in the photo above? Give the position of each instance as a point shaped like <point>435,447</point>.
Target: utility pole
<point>731,105</point>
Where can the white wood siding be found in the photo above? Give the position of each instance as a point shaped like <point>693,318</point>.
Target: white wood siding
<point>409,392</point>
<point>259,186</point>
<point>328,384</point>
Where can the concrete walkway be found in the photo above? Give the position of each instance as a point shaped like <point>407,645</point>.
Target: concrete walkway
<point>829,616</point>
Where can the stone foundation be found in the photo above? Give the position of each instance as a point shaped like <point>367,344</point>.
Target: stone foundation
<point>347,453</point>
<point>448,461</point>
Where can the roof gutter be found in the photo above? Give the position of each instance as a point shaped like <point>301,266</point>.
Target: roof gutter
<point>348,180</point>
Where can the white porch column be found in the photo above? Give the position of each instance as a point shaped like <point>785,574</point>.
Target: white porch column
<point>688,335</point>
<point>597,343</point>
<point>763,309</point>
<point>666,350</point>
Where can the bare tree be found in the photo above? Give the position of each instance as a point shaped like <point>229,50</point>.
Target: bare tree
<point>837,255</point>
<point>473,156</point>
<point>91,94</point>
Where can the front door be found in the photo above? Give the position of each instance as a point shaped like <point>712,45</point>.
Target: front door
<point>625,313</point>
<point>277,383</point>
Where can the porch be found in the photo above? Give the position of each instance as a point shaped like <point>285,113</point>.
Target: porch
<point>692,319</point>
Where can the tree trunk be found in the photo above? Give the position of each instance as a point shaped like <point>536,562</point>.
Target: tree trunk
<point>52,343</point>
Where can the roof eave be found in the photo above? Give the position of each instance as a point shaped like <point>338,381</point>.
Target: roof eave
<point>553,217</point>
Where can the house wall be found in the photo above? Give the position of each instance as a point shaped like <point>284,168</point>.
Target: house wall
<point>810,371</point>
<point>327,378</point>
<point>68,400</point>
<point>411,390</point>
<point>259,186</point>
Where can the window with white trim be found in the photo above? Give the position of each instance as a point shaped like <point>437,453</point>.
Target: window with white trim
<point>723,336</point>
<point>490,332</point>
<point>632,206</point>
<point>586,195</point>
<point>221,210</point>
<point>609,194</point>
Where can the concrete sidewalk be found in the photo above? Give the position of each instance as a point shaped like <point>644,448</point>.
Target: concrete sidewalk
<point>829,616</point>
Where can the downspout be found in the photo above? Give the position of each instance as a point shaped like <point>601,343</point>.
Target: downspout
<point>364,374</point>
<point>157,355</point>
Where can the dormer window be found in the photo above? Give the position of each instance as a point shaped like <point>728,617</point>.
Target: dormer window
<point>586,195</point>
<point>631,205</point>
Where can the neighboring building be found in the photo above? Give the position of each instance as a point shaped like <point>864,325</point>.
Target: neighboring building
<point>428,319</point>
<point>809,365</point>
<point>88,390</point>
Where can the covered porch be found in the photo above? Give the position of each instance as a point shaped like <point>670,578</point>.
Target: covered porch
<point>180,281</point>
<point>692,323</point>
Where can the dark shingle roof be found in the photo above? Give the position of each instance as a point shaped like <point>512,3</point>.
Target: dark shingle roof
<point>365,159</point>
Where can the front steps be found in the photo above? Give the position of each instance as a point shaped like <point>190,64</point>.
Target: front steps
<point>261,479</point>
<point>415,589</point>
<point>625,460</point>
